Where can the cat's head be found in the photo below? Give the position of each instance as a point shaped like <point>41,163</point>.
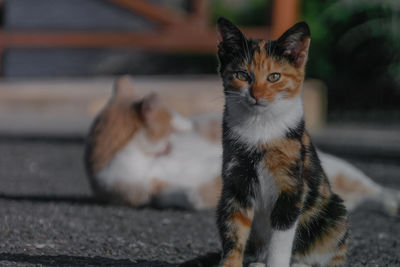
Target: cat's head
<point>155,117</point>
<point>158,121</point>
<point>150,114</point>
<point>258,73</point>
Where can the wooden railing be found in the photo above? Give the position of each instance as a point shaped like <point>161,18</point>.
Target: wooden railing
<point>177,32</point>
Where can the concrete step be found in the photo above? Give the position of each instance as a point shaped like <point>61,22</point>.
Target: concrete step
<point>65,107</point>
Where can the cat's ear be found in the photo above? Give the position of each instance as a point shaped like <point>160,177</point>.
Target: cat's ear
<point>150,104</point>
<point>228,34</point>
<point>294,43</point>
<point>123,87</point>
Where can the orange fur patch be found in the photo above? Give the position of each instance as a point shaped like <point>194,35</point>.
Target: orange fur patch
<point>238,230</point>
<point>159,125</point>
<point>343,185</point>
<point>242,219</point>
<point>115,128</point>
<point>280,155</point>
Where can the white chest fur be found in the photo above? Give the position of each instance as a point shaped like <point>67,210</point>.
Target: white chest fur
<point>267,123</point>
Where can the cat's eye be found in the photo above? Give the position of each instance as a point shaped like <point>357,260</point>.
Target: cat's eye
<point>273,77</point>
<point>243,76</point>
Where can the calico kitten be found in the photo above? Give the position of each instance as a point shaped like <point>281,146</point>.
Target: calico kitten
<point>140,153</point>
<point>276,206</point>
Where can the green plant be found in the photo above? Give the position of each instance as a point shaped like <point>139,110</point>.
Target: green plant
<point>356,51</point>
<point>250,12</point>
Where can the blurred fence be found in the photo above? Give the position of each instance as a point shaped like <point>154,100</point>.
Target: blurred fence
<point>151,26</point>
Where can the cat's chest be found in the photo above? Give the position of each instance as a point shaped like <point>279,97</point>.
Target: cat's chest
<point>260,169</point>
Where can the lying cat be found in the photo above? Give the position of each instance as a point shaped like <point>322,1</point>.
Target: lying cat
<point>140,153</point>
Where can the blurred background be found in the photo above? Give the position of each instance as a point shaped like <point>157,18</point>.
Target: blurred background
<point>355,47</point>
<point>58,63</point>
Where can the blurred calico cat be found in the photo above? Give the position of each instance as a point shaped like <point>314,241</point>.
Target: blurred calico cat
<point>140,153</point>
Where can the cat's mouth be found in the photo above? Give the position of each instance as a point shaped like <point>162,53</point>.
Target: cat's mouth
<point>255,103</point>
<point>259,102</point>
<point>245,99</point>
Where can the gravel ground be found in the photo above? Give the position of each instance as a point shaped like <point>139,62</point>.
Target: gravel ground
<point>48,218</point>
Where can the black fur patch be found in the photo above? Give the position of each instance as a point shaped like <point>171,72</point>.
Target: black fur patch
<point>297,132</point>
<point>285,212</point>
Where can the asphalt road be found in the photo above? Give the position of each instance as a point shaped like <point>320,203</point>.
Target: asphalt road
<point>48,218</point>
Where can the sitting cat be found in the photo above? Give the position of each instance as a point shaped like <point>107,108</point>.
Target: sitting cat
<point>119,143</point>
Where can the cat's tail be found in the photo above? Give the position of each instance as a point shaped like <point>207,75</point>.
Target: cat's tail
<point>210,259</point>
<point>355,187</point>
<point>390,200</point>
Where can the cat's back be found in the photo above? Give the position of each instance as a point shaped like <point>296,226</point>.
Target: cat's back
<point>113,128</point>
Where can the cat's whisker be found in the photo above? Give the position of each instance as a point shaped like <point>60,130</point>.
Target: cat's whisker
<point>233,95</point>
<point>232,92</point>
<point>217,98</point>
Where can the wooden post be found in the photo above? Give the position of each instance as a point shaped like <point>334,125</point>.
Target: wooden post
<point>200,13</point>
<point>284,15</point>
<point>1,60</point>
<point>2,46</point>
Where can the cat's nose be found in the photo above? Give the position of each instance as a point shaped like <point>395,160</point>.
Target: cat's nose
<point>256,96</point>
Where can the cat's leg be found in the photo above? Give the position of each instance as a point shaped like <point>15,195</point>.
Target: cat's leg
<point>322,235</point>
<point>280,247</point>
<point>340,256</point>
<point>234,219</point>
<point>284,220</point>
